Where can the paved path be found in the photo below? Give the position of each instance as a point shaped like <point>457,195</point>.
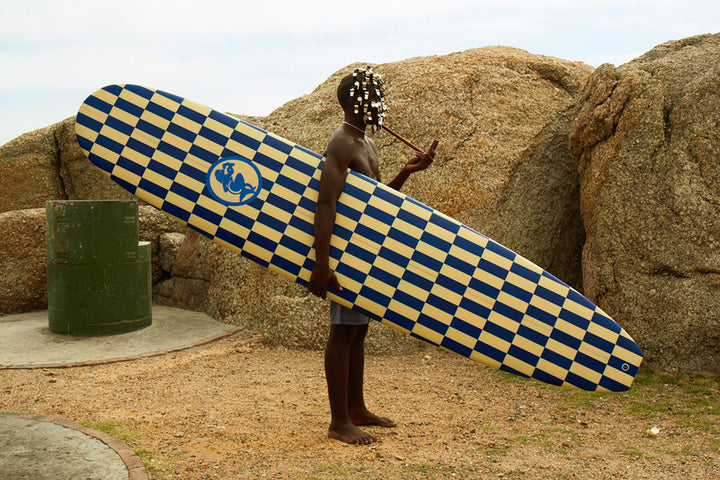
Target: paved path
<point>26,341</point>
<point>40,448</point>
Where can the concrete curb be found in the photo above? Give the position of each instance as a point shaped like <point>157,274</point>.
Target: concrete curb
<point>27,343</point>
<point>89,363</point>
<point>133,463</point>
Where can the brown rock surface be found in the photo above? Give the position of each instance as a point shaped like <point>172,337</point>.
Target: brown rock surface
<point>502,168</point>
<point>496,112</point>
<point>152,224</point>
<point>23,281</point>
<point>538,211</point>
<point>169,244</point>
<point>646,137</point>
<point>191,274</point>
<point>47,164</point>
<point>29,168</point>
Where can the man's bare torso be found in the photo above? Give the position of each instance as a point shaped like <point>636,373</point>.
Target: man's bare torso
<point>363,155</point>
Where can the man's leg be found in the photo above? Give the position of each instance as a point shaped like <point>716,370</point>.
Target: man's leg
<point>357,410</point>
<point>337,367</point>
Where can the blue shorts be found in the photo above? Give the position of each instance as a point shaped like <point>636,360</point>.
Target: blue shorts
<point>340,315</point>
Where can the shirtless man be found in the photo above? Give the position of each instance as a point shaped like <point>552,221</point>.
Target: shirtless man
<point>361,97</point>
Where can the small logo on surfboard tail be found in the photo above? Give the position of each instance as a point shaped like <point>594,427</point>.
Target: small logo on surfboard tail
<point>234,181</point>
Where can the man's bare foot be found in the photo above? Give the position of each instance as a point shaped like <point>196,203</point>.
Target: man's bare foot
<point>351,434</point>
<point>367,418</point>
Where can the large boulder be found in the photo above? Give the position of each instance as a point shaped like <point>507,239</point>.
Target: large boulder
<point>538,211</point>
<point>503,168</point>
<point>503,165</point>
<point>29,167</point>
<point>646,138</point>
<point>47,164</point>
<point>23,282</point>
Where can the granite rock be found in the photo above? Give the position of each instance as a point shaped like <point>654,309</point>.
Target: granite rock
<point>645,135</point>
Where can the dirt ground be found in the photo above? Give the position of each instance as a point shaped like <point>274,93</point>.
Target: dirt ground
<point>236,409</point>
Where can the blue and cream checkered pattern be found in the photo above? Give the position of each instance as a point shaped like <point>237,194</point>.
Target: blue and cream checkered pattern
<point>399,261</point>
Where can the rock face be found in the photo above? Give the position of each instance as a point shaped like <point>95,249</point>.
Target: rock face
<point>190,274</point>
<point>502,118</point>
<point>23,283</point>
<point>544,155</point>
<point>646,138</point>
<point>47,164</point>
<point>503,167</point>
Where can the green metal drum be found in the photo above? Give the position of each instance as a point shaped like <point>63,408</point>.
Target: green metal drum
<point>99,275</point>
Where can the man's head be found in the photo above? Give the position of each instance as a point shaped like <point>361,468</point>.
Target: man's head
<point>361,93</point>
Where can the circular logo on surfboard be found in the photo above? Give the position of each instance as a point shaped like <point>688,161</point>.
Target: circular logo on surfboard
<point>234,181</point>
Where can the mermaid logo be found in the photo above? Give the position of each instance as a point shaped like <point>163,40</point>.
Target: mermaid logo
<point>234,181</point>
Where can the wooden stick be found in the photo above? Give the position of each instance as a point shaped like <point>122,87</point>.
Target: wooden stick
<point>406,142</point>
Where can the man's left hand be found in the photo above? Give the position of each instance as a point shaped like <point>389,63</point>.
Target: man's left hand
<point>421,160</point>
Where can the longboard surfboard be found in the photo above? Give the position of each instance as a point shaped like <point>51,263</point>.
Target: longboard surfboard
<point>399,261</point>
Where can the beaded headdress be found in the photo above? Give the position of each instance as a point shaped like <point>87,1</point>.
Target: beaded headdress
<point>369,97</point>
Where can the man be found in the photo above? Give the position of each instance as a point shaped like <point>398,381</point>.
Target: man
<point>361,96</point>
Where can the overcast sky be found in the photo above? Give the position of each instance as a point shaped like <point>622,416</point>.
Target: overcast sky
<point>251,57</point>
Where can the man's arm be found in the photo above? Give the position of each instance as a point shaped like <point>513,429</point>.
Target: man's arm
<point>332,183</point>
<point>420,161</point>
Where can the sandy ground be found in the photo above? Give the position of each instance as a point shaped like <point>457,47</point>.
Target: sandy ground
<point>237,409</point>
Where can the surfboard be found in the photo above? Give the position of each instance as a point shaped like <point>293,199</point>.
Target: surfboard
<point>399,261</point>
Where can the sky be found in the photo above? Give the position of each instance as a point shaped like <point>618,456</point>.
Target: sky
<point>252,57</point>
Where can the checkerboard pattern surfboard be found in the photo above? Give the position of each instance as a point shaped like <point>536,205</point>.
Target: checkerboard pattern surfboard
<point>399,261</point>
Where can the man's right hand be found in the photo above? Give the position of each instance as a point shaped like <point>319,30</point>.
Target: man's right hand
<point>320,279</point>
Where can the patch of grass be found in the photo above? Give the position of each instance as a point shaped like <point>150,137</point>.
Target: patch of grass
<point>645,410</point>
<point>581,399</point>
<point>691,384</point>
<point>634,452</point>
<point>690,451</point>
<point>701,385</point>
<point>687,450</point>
<point>489,427</point>
<point>715,442</point>
<point>492,450</point>
<point>153,462</point>
<point>704,423</point>
<point>693,399</point>
<point>116,429</point>
<point>540,439</point>
<point>651,377</point>
<point>704,402</point>
<point>508,377</point>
